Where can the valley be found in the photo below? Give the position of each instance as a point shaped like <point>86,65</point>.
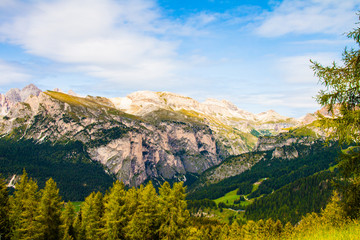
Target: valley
<point>236,165</point>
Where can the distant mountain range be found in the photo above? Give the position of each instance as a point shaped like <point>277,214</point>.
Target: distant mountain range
<point>144,136</point>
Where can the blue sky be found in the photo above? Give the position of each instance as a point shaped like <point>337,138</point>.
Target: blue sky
<point>253,53</point>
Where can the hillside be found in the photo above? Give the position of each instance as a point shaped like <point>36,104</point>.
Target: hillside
<point>285,178</point>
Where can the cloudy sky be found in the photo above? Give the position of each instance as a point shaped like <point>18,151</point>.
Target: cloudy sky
<point>254,53</point>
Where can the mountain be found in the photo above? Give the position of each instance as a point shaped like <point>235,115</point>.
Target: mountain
<point>144,136</point>
<point>16,95</point>
<point>288,146</point>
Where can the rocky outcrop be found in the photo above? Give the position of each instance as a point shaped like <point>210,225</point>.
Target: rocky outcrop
<point>230,167</point>
<point>270,143</point>
<point>16,95</point>
<point>287,152</point>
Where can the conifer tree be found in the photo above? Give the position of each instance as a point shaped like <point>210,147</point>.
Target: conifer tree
<point>92,212</point>
<point>174,213</point>
<point>50,211</point>
<point>144,223</point>
<point>287,231</point>
<point>334,215</point>
<point>114,214</point>
<point>78,229</point>
<point>24,210</point>
<point>234,231</point>
<point>4,211</point>
<point>342,93</point>
<point>67,218</point>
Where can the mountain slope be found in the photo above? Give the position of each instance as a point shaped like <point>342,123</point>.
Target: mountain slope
<point>280,159</point>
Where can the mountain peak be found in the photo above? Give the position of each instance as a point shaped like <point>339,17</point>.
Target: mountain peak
<point>270,115</point>
<point>15,95</point>
<point>29,90</point>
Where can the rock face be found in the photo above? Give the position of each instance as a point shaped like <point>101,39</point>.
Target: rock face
<point>16,95</point>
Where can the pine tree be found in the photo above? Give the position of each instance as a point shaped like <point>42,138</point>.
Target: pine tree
<point>50,211</point>
<point>114,214</point>
<point>4,211</point>
<point>334,215</point>
<point>144,223</point>
<point>78,229</point>
<point>287,231</point>
<point>234,231</point>
<point>174,213</point>
<point>24,210</point>
<point>67,218</point>
<point>92,212</point>
<point>342,83</point>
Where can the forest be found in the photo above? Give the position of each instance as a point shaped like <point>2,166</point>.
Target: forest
<point>67,163</point>
<point>142,213</point>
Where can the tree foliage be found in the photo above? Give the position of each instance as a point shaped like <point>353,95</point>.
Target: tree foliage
<point>4,211</point>
<point>24,209</point>
<point>143,214</point>
<point>342,99</point>
<point>50,211</point>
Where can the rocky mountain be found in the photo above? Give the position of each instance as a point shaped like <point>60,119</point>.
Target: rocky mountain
<point>234,127</point>
<point>146,135</point>
<point>132,148</point>
<point>16,95</point>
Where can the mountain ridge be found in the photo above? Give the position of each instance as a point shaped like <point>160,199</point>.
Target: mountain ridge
<point>146,135</point>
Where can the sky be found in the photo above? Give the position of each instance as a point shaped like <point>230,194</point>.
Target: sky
<point>253,53</point>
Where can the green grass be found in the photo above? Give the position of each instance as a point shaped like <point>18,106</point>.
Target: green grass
<point>229,198</point>
<point>257,184</point>
<point>332,168</point>
<point>348,232</point>
<point>77,206</point>
<point>225,215</point>
<point>73,100</point>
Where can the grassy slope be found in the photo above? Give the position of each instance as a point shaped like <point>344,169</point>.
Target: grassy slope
<point>228,198</point>
<point>347,232</point>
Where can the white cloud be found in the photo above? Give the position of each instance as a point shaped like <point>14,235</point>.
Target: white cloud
<point>11,74</point>
<point>120,41</point>
<point>296,99</point>
<point>309,16</point>
<point>296,69</point>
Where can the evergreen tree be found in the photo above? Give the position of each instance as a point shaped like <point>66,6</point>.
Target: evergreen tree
<point>4,211</point>
<point>92,212</point>
<point>144,223</point>
<point>67,218</point>
<point>174,216</point>
<point>24,210</point>
<point>342,94</point>
<point>235,231</point>
<point>114,214</point>
<point>132,202</point>
<point>50,211</point>
<point>334,215</point>
<point>78,229</point>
